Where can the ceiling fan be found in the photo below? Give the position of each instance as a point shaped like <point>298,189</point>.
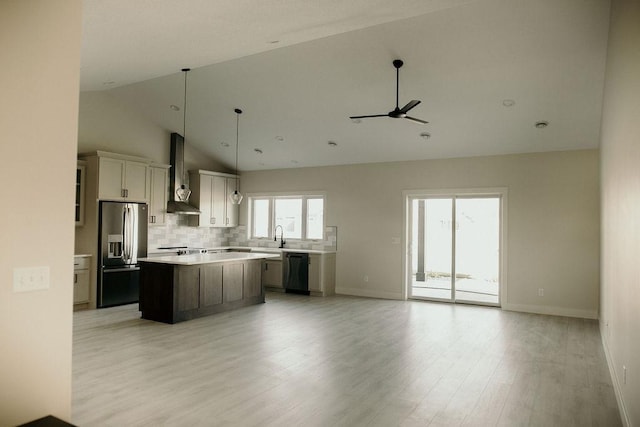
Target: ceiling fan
<point>397,113</point>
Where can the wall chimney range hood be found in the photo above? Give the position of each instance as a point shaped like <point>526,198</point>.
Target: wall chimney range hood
<point>176,176</point>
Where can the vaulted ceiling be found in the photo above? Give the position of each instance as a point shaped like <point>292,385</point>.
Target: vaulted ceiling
<point>486,72</point>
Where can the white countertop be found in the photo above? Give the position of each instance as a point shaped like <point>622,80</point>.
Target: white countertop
<point>279,250</point>
<point>246,248</point>
<point>197,259</point>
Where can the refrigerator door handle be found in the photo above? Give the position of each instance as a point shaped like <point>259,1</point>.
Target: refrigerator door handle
<point>133,233</point>
<point>125,234</point>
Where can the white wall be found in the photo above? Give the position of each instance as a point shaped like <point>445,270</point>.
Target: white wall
<point>620,292</point>
<point>108,124</point>
<point>39,80</point>
<point>553,221</point>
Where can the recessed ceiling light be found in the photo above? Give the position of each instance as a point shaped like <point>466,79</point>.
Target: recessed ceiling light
<point>279,138</point>
<point>274,41</point>
<point>257,150</point>
<point>356,121</point>
<point>224,144</point>
<point>425,135</point>
<point>174,107</point>
<point>332,144</point>
<point>542,124</point>
<point>108,83</point>
<point>508,102</point>
<point>295,162</point>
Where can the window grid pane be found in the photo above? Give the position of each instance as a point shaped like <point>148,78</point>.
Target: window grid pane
<point>288,214</point>
<point>315,218</point>
<point>261,218</point>
<point>301,217</point>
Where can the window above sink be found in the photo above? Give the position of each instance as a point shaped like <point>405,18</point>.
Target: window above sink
<point>301,216</point>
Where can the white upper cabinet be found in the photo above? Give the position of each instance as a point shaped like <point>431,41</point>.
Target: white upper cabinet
<point>217,195</point>
<point>158,194</point>
<point>210,193</point>
<point>231,210</point>
<point>123,180</point>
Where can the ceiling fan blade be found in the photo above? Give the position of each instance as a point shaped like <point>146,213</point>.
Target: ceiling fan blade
<point>409,106</point>
<point>413,119</point>
<point>366,117</point>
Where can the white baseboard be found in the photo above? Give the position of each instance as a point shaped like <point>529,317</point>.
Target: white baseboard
<point>358,292</point>
<point>553,311</point>
<point>616,384</point>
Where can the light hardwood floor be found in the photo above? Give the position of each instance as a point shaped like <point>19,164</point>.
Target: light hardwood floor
<point>340,361</point>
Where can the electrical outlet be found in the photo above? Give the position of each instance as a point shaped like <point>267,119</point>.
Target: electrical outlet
<point>30,279</point>
<point>540,292</point>
<point>366,278</point>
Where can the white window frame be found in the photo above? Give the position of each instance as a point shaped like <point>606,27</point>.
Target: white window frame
<point>305,196</point>
<point>252,219</point>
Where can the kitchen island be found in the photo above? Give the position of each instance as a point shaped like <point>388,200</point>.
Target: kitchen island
<point>183,287</point>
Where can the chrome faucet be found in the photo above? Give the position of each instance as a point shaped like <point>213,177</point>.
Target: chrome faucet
<point>275,236</point>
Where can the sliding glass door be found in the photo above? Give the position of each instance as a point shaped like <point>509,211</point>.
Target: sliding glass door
<point>454,248</point>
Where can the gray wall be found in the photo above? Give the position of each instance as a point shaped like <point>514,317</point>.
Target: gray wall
<point>620,291</point>
<point>553,221</point>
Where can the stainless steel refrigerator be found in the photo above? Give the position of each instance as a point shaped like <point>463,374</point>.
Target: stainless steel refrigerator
<point>122,239</point>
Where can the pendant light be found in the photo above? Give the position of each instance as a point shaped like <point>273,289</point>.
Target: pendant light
<point>183,192</point>
<point>236,196</point>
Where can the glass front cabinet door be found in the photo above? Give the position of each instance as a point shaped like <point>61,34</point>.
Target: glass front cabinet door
<point>79,207</point>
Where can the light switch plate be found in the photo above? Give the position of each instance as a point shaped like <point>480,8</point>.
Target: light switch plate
<point>28,279</point>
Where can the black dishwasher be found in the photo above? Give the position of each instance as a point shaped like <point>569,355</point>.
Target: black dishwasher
<point>296,272</point>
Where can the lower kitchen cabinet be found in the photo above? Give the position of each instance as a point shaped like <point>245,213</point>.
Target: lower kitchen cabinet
<point>272,273</point>
<point>211,284</point>
<point>173,293</point>
<point>322,274</point>
<point>81,279</point>
<point>252,280</point>
<point>232,277</point>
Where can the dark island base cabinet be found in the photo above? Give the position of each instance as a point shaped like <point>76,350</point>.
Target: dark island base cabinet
<point>173,293</point>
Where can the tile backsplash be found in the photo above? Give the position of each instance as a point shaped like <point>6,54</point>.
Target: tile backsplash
<point>238,237</point>
<point>177,232</point>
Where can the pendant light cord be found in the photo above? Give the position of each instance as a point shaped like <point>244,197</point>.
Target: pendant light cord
<point>184,123</point>
<point>238,112</point>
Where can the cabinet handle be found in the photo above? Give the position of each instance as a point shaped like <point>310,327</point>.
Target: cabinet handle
<point>126,192</point>
<point>212,221</point>
<point>266,266</point>
<point>75,278</point>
